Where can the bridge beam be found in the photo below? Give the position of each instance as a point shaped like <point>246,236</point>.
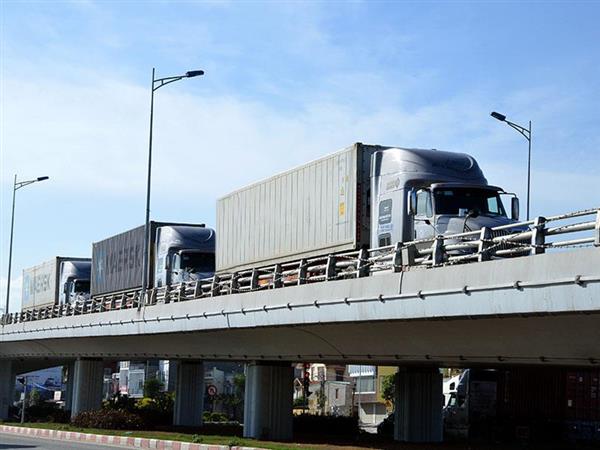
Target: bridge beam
<point>189,393</point>
<point>418,416</point>
<point>268,401</point>
<point>87,385</point>
<point>7,387</point>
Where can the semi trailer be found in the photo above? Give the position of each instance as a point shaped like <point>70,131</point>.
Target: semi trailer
<point>177,253</point>
<point>60,280</point>
<point>524,403</point>
<point>362,196</point>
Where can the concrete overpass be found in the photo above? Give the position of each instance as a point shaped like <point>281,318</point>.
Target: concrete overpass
<point>540,309</point>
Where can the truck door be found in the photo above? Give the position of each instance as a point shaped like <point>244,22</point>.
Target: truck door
<point>423,218</point>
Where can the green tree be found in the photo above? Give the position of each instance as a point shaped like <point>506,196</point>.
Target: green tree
<point>321,398</point>
<point>388,387</point>
<point>34,397</point>
<point>152,388</point>
<point>235,400</point>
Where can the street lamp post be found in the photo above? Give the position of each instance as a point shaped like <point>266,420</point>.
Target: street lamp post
<point>16,186</point>
<point>526,132</point>
<point>157,83</point>
<point>24,402</point>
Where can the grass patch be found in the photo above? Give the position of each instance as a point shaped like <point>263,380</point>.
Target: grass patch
<point>174,436</point>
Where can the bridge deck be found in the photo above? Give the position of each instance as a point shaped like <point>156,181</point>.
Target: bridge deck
<point>540,309</point>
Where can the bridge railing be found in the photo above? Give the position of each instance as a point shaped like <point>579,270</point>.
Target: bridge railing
<point>576,229</point>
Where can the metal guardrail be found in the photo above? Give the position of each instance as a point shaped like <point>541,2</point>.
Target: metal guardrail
<point>506,241</point>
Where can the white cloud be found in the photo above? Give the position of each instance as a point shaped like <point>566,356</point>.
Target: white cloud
<point>92,137</point>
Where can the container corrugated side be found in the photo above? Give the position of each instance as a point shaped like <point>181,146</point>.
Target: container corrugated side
<point>40,285</point>
<point>307,211</point>
<point>117,262</point>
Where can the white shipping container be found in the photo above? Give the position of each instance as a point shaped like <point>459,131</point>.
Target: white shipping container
<point>40,284</point>
<point>315,209</point>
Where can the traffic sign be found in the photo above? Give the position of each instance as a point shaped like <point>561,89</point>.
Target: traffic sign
<point>212,390</point>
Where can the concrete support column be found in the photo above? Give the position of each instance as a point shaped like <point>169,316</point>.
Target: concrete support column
<point>172,381</point>
<point>189,393</point>
<point>69,386</point>
<point>88,377</point>
<point>268,401</point>
<point>419,400</point>
<point>7,387</point>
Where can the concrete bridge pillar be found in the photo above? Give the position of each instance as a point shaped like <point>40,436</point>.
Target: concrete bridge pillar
<point>189,393</point>
<point>69,386</point>
<point>172,379</point>
<point>419,402</point>
<point>268,401</point>
<point>7,387</point>
<point>87,385</point>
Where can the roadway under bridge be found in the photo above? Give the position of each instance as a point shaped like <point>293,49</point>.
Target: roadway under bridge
<point>541,309</point>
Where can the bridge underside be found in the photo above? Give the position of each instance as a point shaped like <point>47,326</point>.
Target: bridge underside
<point>548,340</point>
<point>543,309</point>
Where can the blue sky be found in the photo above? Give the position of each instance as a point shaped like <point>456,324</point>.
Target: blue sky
<point>285,82</point>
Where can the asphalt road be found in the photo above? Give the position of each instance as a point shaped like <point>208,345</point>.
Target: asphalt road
<point>16,442</point>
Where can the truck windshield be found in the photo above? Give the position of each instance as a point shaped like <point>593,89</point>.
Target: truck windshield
<point>458,201</point>
<point>82,286</point>
<point>198,262</point>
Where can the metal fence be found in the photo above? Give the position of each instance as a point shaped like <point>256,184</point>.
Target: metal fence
<point>576,229</point>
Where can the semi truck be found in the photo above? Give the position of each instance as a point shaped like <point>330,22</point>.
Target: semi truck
<point>362,196</point>
<point>525,403</point>
<point>177,253</point>
<point>60,280</point>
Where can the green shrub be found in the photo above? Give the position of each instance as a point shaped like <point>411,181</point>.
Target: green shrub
<point>208,416</point>
<point>120,401</point>
<point>109,419</point>
<point>300,402</point>
<point>156,411</point>
<point>197,439</point>
<point>46,412</point>
<point>222,428</point>
<point>323,424</point>
<point>152,388</point>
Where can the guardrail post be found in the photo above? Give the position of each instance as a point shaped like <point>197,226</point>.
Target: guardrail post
<point>254,280</point>
<point>485,241</point>
<point>363,266</point>
<point>397,258</point>
<point>330,272</point>
<point>302,271</point>
<point>597,230</point>
<point>215,288</point>
<point>277,277</point>
<point>408,255</point>
<point>235,285</point>
<point>181,292</point>
<point>538,236</point>
<point>438,250</point>
<point>197,288</point>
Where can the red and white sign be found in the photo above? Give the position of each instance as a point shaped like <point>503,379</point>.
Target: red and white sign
<point>212,390</point>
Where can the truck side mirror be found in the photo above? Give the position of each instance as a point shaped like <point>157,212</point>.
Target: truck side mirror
<point>412,202</point>
<point>514,208</point>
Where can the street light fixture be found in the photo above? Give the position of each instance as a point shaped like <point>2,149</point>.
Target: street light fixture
<point>16,186</point>
<point>526,132</point>
<point>157,83</point>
